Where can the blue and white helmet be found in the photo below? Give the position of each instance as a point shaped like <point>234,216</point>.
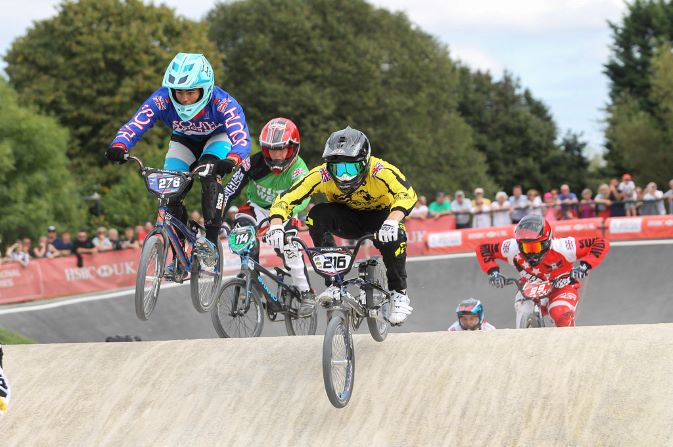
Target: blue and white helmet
<point>189,71</point>
<point>473,307</point>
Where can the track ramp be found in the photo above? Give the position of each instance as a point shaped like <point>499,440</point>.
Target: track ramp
<point>585,386</point>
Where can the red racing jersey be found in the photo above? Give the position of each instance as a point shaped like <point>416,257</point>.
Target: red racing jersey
<point>559,259</point>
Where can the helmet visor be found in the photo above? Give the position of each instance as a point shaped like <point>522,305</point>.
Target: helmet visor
<point>344,170</point>
<point>531,248</point>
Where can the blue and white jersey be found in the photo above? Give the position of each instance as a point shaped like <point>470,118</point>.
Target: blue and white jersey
<point>222,115</point>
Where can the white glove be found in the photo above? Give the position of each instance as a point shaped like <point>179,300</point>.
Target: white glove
<point>275,236</point>
<point>388,231</point>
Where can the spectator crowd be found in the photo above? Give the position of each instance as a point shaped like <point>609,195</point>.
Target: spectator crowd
<point>613,199</point>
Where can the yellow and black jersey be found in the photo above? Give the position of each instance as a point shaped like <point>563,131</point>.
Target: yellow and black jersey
<point>385,187</point>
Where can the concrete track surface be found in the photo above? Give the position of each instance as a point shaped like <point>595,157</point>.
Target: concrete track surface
<point>585,386</point>
<point>633,285</point>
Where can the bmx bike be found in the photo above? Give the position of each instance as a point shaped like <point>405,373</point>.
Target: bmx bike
<point>170,233</point>
<point>346,312</point>
<point>536,291</point>
<point>242,301</point>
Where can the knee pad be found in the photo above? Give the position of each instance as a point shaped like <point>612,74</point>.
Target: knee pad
<point>212,201</point>
<point>563,316</point>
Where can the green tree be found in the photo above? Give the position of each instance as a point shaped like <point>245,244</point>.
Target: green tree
<point>36,188</point>
<point>327,64</point>
<point>517,134</point>
<point>641,137</point>
<point>645,25</point>
<point>93,64</point>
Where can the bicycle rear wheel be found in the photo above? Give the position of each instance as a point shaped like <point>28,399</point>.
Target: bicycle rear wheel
<point>204,283</point>
<point>338,361</point>
<point>148,280</point>
<point>230,317</point>
<point>295,325</point>
<point>376,274</point>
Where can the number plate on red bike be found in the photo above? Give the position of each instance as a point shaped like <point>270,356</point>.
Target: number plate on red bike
<point>165,183</point>
<point>331,262</point>
<point>537,289</point>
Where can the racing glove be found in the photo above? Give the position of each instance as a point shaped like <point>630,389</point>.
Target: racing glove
<point>116,153</point>
<point>388,231</point>
<point>275,236</point>
<point>580,272</point>
<point>496,279</point>
<point>224,167</point>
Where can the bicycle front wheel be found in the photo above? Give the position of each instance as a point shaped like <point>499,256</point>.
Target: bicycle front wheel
<point>204,282</point>
<point>296,325</point>
<point>338,361</point>
<point>148,280</point>
<point>376,274</point>
<point>230,317</point>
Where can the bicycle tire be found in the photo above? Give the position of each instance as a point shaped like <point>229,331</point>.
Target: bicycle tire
<point>339,387</point>
<point>299,325</point>
<point>151,260</point>
<point>203,285</point>
<point>233,326</point>
<point>376,274</point>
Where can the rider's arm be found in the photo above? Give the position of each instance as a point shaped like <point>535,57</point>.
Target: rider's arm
<point>231,115</point>
<point>236,183</point>
<point>591,250</point>
<point>404,196</point>
<point>143,120</point>
<point>300,170</point>
<point>282,207</point>
<point>488,254</point>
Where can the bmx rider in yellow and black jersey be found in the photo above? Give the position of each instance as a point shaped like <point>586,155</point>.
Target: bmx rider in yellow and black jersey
<point>364,195</point>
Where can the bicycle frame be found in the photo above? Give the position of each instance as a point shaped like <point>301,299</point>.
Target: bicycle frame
<point>347,301</point>
<point>253,272</point>
<point>166,225</point>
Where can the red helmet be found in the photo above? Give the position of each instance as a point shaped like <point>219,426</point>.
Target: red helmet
<point>279,134</point>
<point>533,234</point>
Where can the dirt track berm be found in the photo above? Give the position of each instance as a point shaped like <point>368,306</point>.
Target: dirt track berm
<point>586,386</point>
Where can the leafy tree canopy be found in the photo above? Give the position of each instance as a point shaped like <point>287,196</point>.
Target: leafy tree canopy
<point>36,188</point>
<point>327,64</point>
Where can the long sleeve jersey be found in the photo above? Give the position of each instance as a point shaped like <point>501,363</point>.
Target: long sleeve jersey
<point>385,187</point>
<point>263,186</point>
<point>558,261</point>
<point>221,115</point>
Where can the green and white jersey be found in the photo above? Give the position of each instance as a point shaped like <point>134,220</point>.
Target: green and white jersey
<point>263,185</point>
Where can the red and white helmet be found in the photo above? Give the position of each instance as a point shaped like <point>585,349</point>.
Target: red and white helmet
<point>279,134</point>
<point>533,234</point>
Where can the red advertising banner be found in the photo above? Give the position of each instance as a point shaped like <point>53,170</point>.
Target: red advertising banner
<point>49,278</point>
<point>641,227</point>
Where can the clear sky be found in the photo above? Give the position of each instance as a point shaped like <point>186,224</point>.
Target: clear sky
<point>556,47</point>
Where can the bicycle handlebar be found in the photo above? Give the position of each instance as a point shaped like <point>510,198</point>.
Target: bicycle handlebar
<point>355,248</point>
<point>519,284</point>
<point>142,167</point>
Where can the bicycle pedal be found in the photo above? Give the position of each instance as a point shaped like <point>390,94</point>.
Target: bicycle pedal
<point>373,313</point>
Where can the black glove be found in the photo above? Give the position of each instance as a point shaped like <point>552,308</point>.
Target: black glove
<point>116,153</point>
<point>224,167</point>
<point>580,272</point>
<point>496,279</point>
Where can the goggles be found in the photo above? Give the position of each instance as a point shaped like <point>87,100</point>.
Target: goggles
<point>531,248</point>
<point>344,170</point>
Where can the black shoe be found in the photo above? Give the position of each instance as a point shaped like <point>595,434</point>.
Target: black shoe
<point>307,303</point>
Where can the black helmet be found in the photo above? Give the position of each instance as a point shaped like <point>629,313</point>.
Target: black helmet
<point>347,155</point>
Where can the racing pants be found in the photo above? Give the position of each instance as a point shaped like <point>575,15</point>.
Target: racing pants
<point>292,257</point>
<point>560,306</point>
<point>326,220</point>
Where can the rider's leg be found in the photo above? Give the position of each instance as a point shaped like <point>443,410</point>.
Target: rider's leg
<point>178,158</point>
<point>522,308</point>
<point>562,304</point>
<point>212,199</point>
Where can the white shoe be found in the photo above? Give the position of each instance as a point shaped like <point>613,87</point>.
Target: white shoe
<point>328,295</point>
<point>401,308</point>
